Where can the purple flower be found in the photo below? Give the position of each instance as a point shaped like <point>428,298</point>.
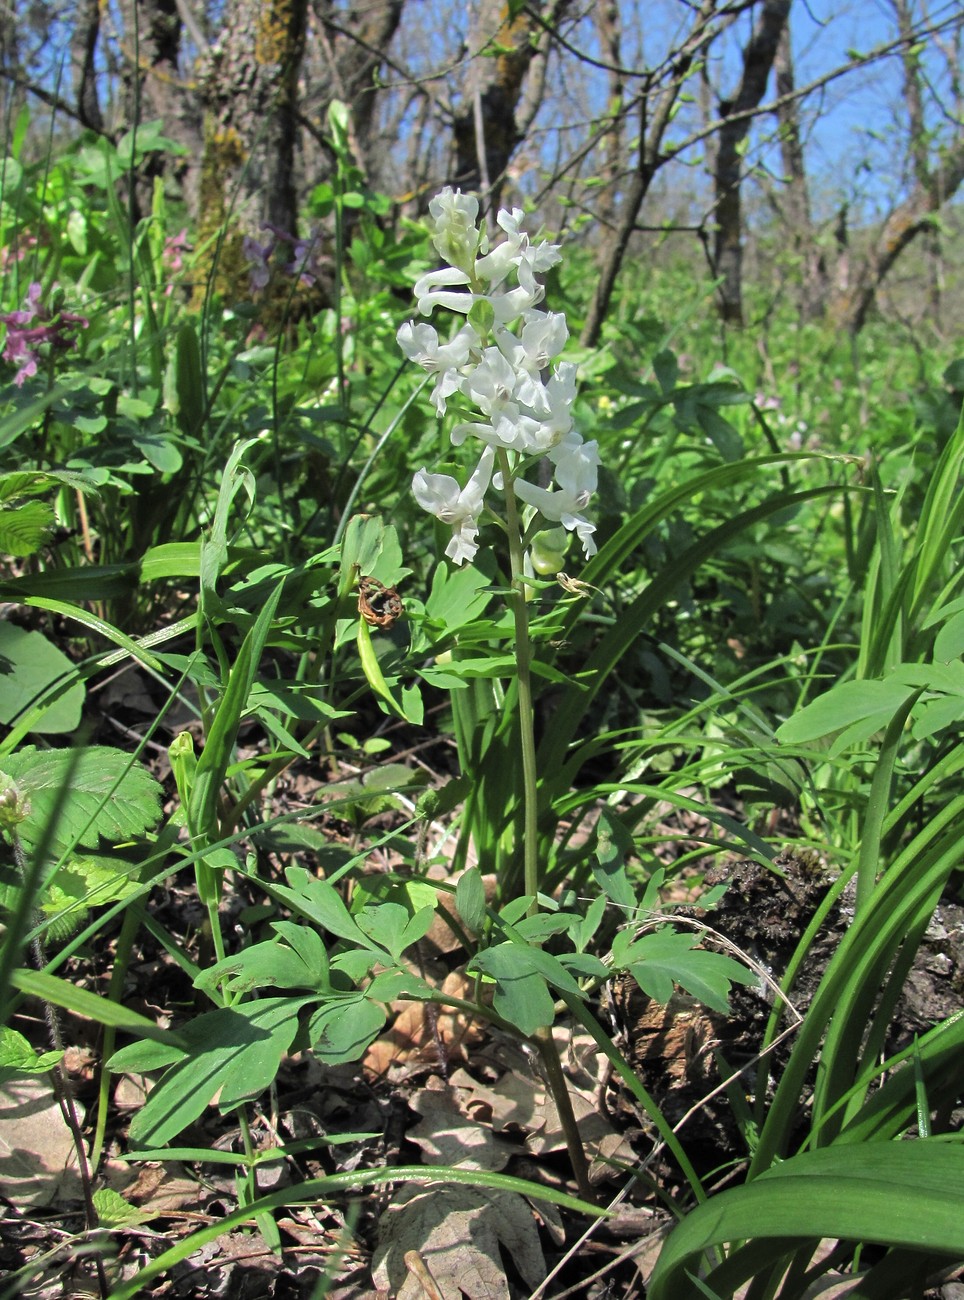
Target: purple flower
<point>259,255</point>
<point>306,257</point>
<point>55,330</point>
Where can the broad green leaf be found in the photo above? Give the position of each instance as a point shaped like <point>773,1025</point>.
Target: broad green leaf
<point>660,960</point>
<point>82,883</point>
<point>114,1212</point>
<point>18,1057</point>
<point>341,1031</point>
<point>171,560</point>
<point>29,665</point>
<point>392,926</point>
<point>458,596</point>
<point>24,528</point>
<point>470,899</point>
<point>185,393</point>
<point>522,974</point>
<point>234,1051</point>
<point>264,965</point>
<point>109,797</point>
<point>901,1194</point>
<point>322,903</point>
<point>864,702</point>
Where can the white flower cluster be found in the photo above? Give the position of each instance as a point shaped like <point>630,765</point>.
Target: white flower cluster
<point>496,362</point>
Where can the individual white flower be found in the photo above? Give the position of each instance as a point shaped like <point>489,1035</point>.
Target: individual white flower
<point>420,343</point>
<point>491,384</point>
<point>576,466</point>
<point>441,496</point>
<point>543,337</point>
<point>455,233</point>
<point>561,507</point>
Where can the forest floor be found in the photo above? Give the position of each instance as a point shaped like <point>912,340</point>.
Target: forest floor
<point>438,1088</point>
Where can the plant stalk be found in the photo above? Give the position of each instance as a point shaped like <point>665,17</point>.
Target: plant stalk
<point>523,658</point>
<point>552,1067</point>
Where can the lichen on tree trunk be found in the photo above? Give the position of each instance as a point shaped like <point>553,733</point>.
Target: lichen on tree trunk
<point>249,86</point>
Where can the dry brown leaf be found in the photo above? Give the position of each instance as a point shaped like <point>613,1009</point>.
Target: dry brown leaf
<point>38,1160</point>
<point>522,1102</point>
<point>448,1136</point>
<point>412,1038</point>
<point>457,1232</point>
<point>156,1189</point>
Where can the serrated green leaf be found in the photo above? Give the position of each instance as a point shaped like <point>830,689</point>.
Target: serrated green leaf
<point>114,1212</point>
<point>82,883</point>
<point>111,797</point>
<point>18,1057</point>
<point>24,529</point>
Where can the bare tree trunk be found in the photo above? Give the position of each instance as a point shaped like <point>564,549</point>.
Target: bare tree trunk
<point>250,92</point>
<point>10,71</point>
<point>83,46</point>
<point>353,45</point>
<point>916,124</point>
<point>155,90</point>
<point>612,159</point>
<point>493,121</point>
<point>758,59</point>
<point>795,196</point>
<point>851,303</point>
<point>655,113</point>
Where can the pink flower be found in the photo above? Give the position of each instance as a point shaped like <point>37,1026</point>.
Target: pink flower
<point>56,331</point>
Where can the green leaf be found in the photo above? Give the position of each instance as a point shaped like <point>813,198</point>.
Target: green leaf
<point>61,993</point>
<point>665,958</point>
<point>30,665</point>
<point>18,1057</point>
<point>470,899</point>
<point>393,927</point>
<point>110,797</point>
<point>871,704</point>
<point>522,974</point>
<point>458,596</point>
<point>720,432</point>
<point>114,1212</point>
<point>898,1194</point>
<point>82,883</point>
<point>264,965</point>
<point>24,529</point>
<point>341,1031</point>
<point>185,394</point>
<point>322,903</point>
<point>234,1050</point>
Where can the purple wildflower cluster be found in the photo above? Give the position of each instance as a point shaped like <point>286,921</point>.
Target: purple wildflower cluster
<point>34,327</point>
<point>305,258</point>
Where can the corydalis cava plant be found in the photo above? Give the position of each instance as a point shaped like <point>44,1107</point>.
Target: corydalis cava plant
<point>498,368</point>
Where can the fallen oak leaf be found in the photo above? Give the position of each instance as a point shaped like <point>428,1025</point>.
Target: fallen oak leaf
<point>457,1232</point>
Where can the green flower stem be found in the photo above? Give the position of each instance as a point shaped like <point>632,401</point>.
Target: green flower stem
<point>552,1069</point>
<point>523,657</point>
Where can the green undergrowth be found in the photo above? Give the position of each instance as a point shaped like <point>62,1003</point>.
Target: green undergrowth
<point>763,655</point>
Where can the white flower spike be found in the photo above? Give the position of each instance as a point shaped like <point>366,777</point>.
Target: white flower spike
<point>500,368</point>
